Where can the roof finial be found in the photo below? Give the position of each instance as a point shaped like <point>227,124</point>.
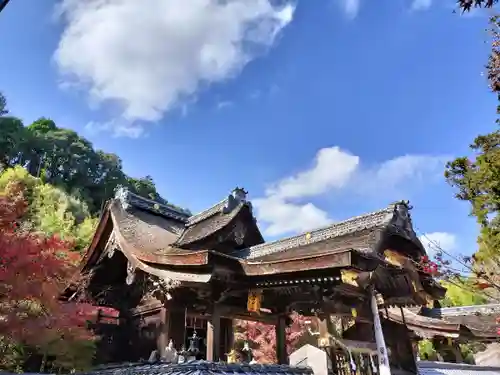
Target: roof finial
<point>240,194</point>
<point>404,202</point>
<point>122,194</point>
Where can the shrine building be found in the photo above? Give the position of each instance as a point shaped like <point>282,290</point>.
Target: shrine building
<point>170,274</point>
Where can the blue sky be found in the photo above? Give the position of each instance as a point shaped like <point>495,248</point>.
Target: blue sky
<point>321,109</point>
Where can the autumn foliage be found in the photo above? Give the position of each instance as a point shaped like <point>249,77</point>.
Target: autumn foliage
<point>33,268</point>
<point>262,337</point>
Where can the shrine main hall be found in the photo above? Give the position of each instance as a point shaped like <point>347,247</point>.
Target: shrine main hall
<point>169,274</point>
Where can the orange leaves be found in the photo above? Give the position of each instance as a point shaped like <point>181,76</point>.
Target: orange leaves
<point>32,270</point>
<point>262,337</point>
<point>482,284</point>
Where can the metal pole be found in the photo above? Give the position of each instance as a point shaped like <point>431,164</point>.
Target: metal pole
<point>383,358</point>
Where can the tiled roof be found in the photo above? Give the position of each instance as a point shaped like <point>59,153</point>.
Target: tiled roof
<point>465,322</point>
<point>480,320</point>
<point>487,309</point>
<point>199,368</point>
<point>356,224</point>
<point>205,214</point>
<point>442,368</point>
<point>209,224</point>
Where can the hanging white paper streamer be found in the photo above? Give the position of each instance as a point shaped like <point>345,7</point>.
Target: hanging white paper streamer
<point>383,359</point>
<point>372,363</point>
<point>352,363</point>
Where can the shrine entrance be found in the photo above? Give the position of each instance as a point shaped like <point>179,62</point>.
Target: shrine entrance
<point>197,325</point>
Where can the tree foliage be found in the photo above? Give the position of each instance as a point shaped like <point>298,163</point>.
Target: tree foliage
<point>3,105</point>
<point>476,178</point>
<point>51,210</point>
<point>33,268</point>
<point>461,293</point>
<point>467,5</point>
<point>63,158</point>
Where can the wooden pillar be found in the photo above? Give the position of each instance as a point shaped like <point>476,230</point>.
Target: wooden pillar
<point>177,327</point>
<point>227,336</point>
<point>281,354</point>
<point>214,336</point>
<point>163,328</point>
<point>332,331</point>
<point>457,352</point>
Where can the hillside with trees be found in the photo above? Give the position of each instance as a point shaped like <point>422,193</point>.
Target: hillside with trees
<point>63,158</point>
<point>53,184</point>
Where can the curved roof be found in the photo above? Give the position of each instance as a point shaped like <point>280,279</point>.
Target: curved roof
<point>199,368</point>
<point>467,322</point>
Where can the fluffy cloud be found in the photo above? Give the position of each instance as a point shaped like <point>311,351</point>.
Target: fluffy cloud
<point>149,58</point>
<point>284,209</point>
<point>332,169</point>
<point>282,217</point>
<point>439,240</point>
<point>351,7</point>
<point>421,4</point>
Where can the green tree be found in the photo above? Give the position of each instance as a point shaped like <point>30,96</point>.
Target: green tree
<point>3,105</point>
<point>461,293</point>
<point>476,177</point>
<point>63,158</point>
<point>11,137</point>
<point>51,210</point>
<point>467,5</point>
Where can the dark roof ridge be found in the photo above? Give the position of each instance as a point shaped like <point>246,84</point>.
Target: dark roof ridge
<point>236,196</point>
<point>365,221</point>
<point>205,214</point>
<point>486,309</point>
<point>127,198</point>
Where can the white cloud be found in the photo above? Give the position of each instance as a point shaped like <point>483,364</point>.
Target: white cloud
<point>439,240</point>
<point>351,7</point>
<point>118,127</point>
<point>285,217</point>
<point>149,58</point>
<point>224,104</point>
<point>421,4</point>
<point>394,174</point>
<point>332,169</point>
<point>284,209</point>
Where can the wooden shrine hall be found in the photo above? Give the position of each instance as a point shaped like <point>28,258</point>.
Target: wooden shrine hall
<point>170,275</point>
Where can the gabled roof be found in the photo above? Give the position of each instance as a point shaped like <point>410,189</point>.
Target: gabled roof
<point>468,322</point>
<point>217,217</point>
<point>159,234</point>
<point>353,233</point>
<point>480,320</point>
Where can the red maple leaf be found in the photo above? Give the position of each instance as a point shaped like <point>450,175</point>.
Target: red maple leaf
<point>33,269</point>
<point>262,337</point>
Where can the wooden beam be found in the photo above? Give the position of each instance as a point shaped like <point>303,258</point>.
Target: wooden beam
<point>281,354</point>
